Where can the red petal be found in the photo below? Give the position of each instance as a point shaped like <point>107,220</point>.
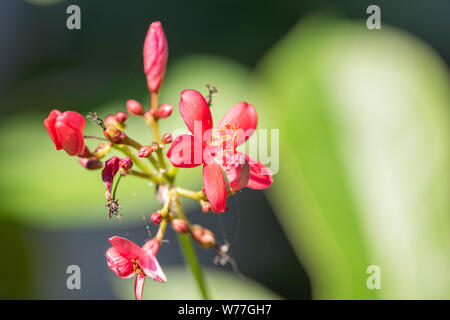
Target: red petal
<point>139,286</point>
<point>69,129</point>
<point>215,187</point>
<point>108,173</point>
<point>260,175</point>
<point>74,119</point>
<point>126,248</point>
<point>185,152</point>
<point>119,264</point>
<point>71,140</point>
<point>151,246</point>
<point>155,56</point>
<point>242,117</point>
<point>196,114</point>
<point>151,267</point>
<point>49,124</point>
<point>238,172</point>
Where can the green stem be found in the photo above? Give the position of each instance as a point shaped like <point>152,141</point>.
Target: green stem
<point>189,252</point>
<point>196,195</point>
<point>192,260</point>
<point>184,239</point>
<point>161,159</point>
<point>153,162</point>
<point>115,187</point>
<point>154,176</point>
<point>161,230</point>
<point>154,124</point>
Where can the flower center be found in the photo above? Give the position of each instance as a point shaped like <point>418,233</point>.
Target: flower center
<point>223,142</point>
<point>137,268</point>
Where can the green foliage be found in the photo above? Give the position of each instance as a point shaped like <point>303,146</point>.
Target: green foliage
<point>365,157</point>
<point>17,256</point>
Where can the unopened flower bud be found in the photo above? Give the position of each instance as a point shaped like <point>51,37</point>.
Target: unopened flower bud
<point>167,138</point>
<point>203,236</point>
<point>156,217</point>
<point>121,117</point>
<point>145,151</point>
<point>134,107</point>
<point>110,120</point>
<point>155,146</point>
<point>101,148</point>
<point>180,225</point>
<point>91,163</point>
<point>164,110</point>
<point>206,206</point>
<point>114,134</point>
<point>126,163</point>
<point>155,56</point>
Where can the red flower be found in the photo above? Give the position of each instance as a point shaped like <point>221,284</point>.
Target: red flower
<point>67,131</point>
<point>155,56</point>
<point>216,149</point>
<point>127,259</point>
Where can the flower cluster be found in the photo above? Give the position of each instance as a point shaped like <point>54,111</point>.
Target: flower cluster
<point>214,149</point>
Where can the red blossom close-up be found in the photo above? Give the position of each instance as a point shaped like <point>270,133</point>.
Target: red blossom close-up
<point>254,153</point>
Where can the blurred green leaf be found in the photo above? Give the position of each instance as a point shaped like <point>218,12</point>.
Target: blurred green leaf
<point>365,157</point>
<point>181,286</point>
<point>45,187</point>
<point>17,256</point>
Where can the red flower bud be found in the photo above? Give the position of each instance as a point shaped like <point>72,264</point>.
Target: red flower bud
<point>155,56</point>
<point>180,225</point>
<point>156,217</point>
<point>110,120</point>
<point>121,117</point>
<point>126,163</point>
<point>134,107</point>
<point>114,134</point>
<point>155,146</point>
<point>203,236</point>
<point>206,206</point>
<point>91,163</point>
<point>167,138</point>
<point>66,130</point>
<point>164,110</point>
<point>145,151</point>
<point>101,147</point>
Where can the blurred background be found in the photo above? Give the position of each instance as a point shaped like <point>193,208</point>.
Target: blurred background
<point>364,148</point>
